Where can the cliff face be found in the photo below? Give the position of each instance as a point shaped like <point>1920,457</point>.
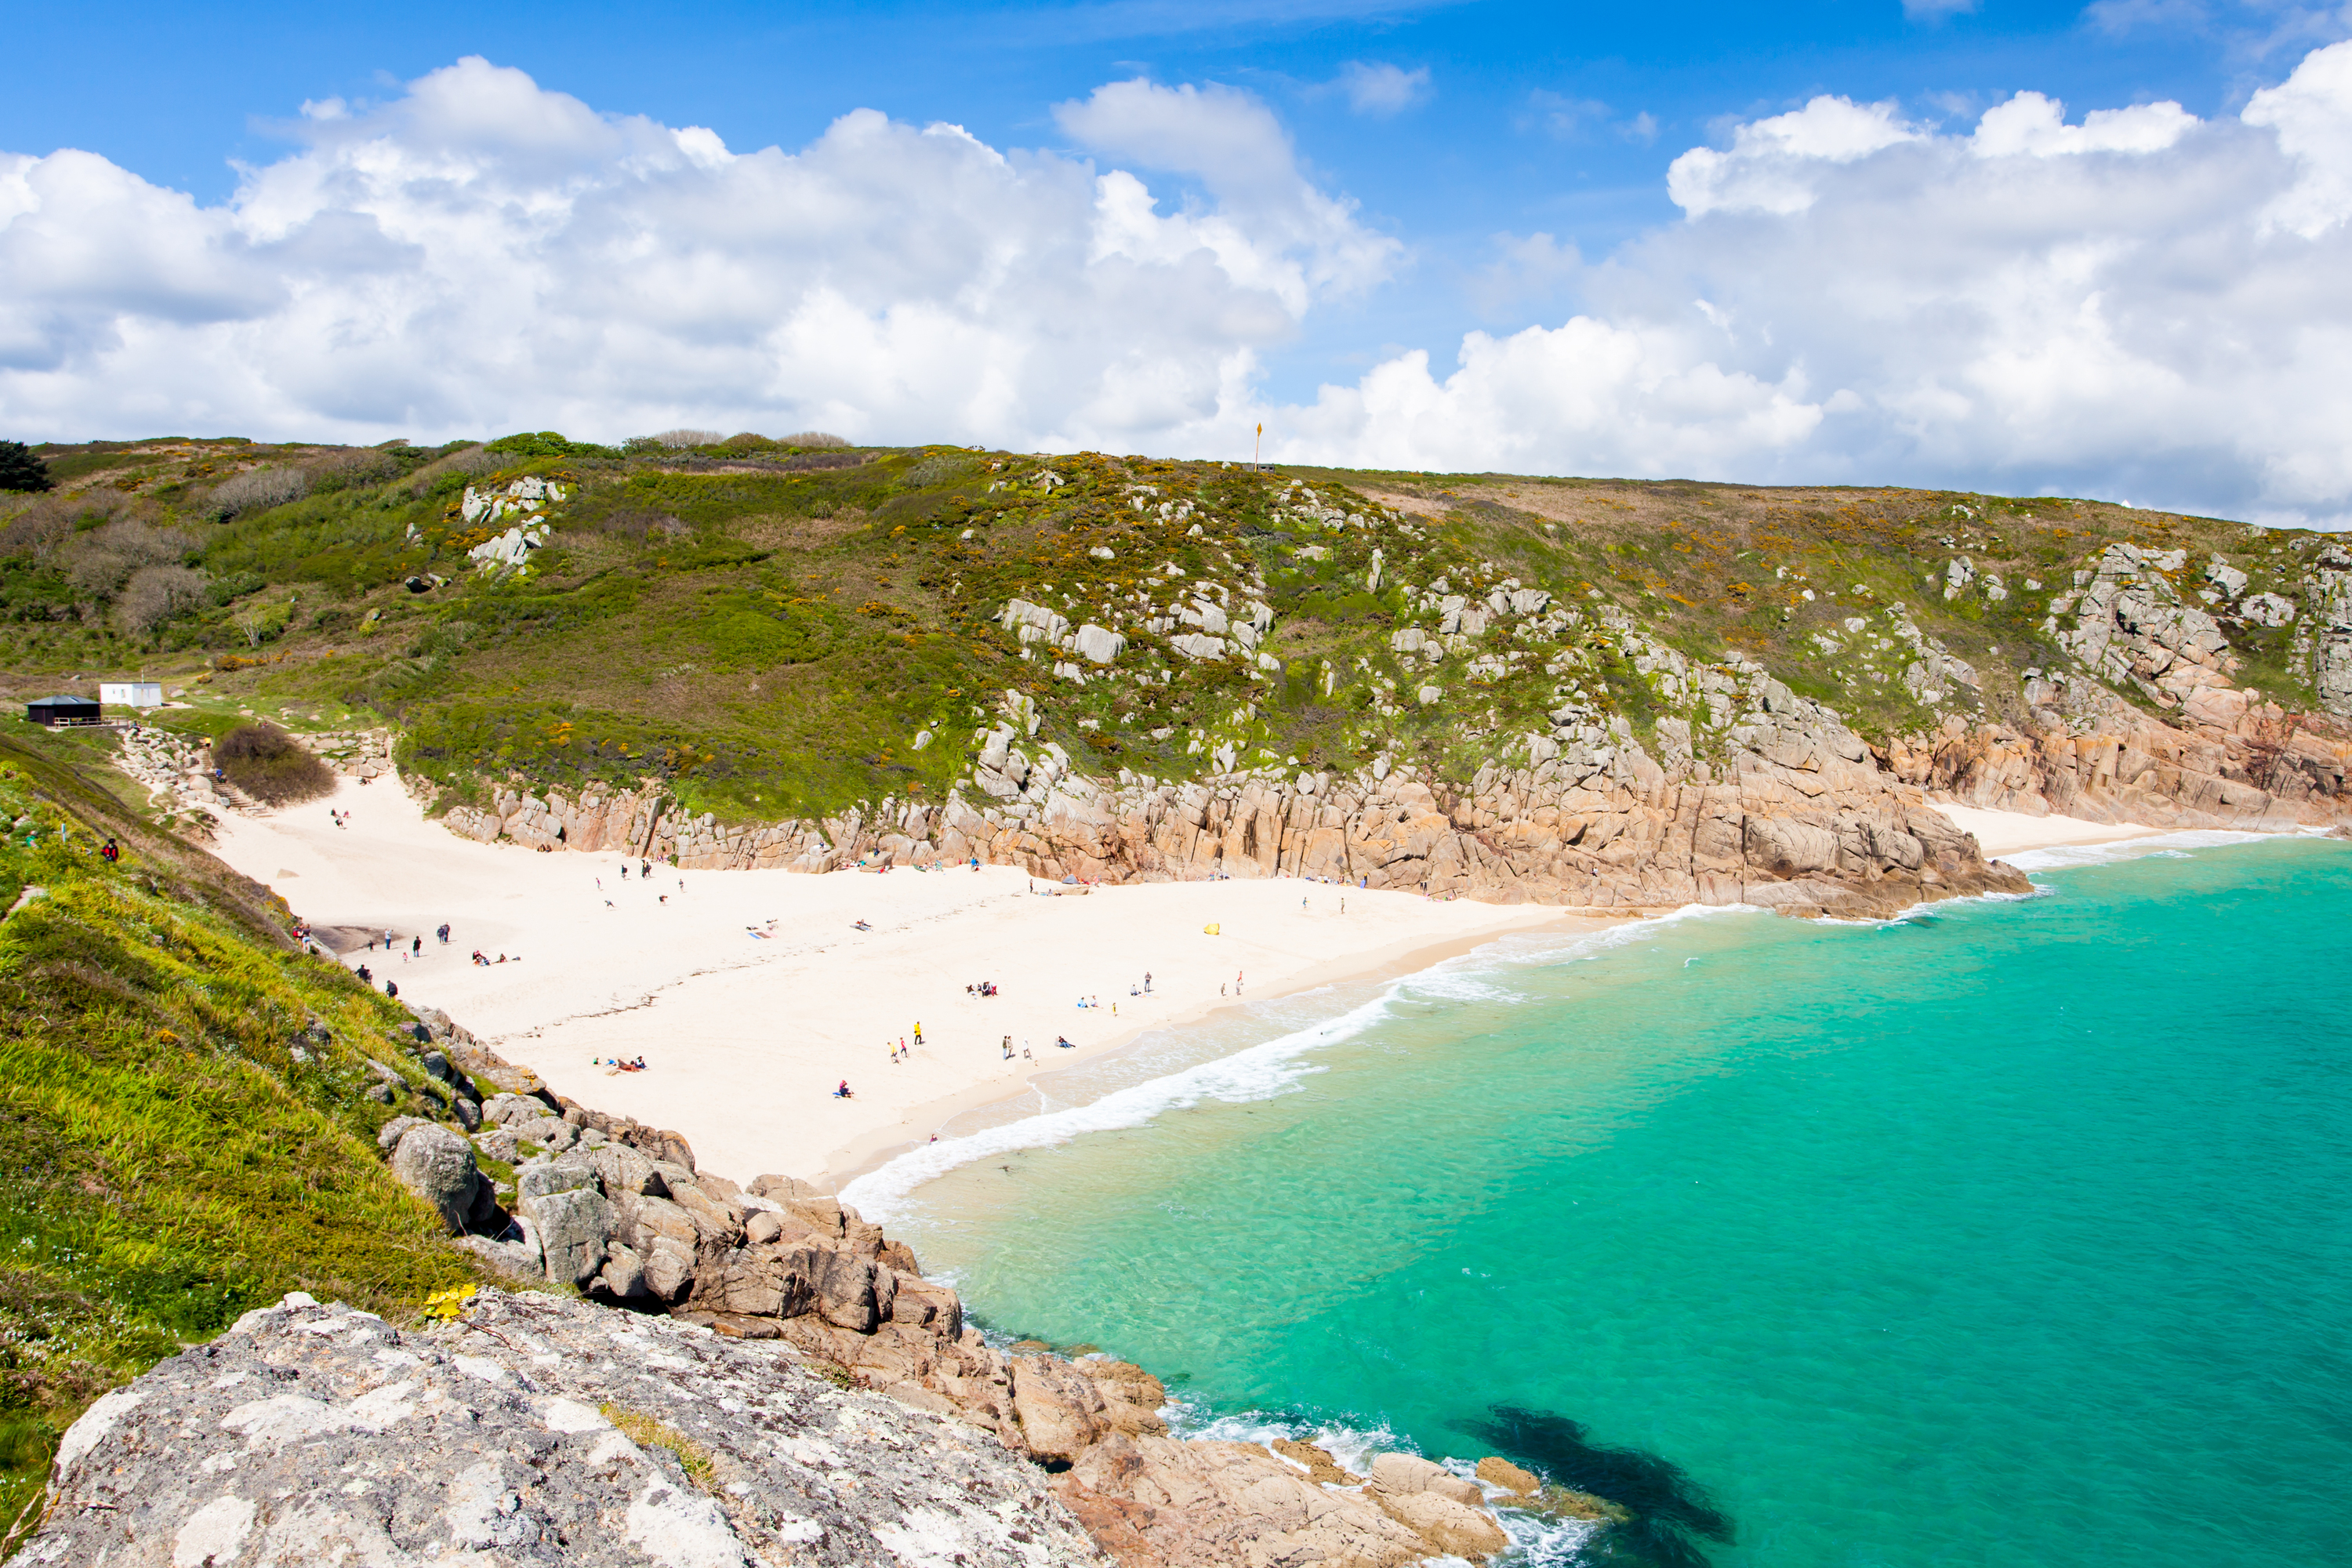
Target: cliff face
<point>1794,813</point>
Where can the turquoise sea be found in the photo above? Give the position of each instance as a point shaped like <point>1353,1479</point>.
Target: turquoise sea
<point>2014,1233</point>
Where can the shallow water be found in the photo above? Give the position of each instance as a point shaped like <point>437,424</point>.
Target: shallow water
<point>2012,1233</point>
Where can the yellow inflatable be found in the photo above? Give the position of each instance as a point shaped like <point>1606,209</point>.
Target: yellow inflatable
<point>1211,930</point>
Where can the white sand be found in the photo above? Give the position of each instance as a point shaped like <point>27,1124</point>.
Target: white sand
<point>746,1038</point>
<point>2000,832</point>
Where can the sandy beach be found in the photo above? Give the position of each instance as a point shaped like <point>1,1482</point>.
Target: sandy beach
<point>1999,833</point>
<point>750,994</point>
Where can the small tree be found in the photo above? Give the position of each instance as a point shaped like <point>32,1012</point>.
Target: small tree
<point>21,469</point>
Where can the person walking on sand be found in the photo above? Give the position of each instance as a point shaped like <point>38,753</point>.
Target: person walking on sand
<point>1008,1048</point>
<point>444,933</point>
<point>416,947</point>
<point>918,1031</point>
<point>1237,982</point>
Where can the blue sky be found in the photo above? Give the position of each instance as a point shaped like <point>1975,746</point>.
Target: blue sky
<point>1458,131</point>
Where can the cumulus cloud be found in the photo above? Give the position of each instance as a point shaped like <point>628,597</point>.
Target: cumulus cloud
<point>483,253</point>
<point>2139,302</point>
<point>2128,301</point>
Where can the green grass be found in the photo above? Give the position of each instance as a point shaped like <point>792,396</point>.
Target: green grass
<point>183,1131</point>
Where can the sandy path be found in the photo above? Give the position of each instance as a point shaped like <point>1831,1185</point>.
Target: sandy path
<point>2000,832</point>
<point>747,1037</point>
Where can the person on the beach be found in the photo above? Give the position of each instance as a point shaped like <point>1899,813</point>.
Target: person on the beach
<point>364,975</point>
<point>625,870</point>
<point>1008,1048</point>
<point>918,1031</point>
<point>843,1091</point>
<point>444,933</point>
<point>1237,982</point>
<point>1147,982</point>
<point>644,870</point>
<point>391,988</point>
<point>416,947</point>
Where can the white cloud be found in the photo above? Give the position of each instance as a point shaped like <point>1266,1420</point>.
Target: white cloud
<point>482,254</point>
<point>2142,303</point>
<point>1381,89</point>
<point>1773,163</point>
<point>2134,302</point>
<point>2036,126</point>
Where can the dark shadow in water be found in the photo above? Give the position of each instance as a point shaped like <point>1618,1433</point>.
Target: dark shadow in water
<point>1671,1514</point>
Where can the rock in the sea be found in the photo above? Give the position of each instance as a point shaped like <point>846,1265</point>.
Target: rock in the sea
<point>1206,1505</point>
<point>1498,1471</point>
<point>533,1430</point>
<point>1405,1473</point>
<point>1448,1525</point>
<point>436,1164</point>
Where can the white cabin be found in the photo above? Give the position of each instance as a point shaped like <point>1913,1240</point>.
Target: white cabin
<point>130,693</point>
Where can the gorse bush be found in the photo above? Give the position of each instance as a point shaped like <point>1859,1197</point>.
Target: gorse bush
<point>267,764</point>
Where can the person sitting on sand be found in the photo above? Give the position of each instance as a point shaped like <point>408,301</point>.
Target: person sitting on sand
<point>480,959</point>
<point>1064,1041</point>
<point>364,975</point>
<point>861,925</point>
<point>843,1092</point>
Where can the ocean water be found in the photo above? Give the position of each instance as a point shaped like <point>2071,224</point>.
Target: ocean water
<point>2012,1233</point>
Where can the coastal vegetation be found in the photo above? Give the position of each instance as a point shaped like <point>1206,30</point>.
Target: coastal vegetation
<point>784,627</point>
<point>188,1110</point>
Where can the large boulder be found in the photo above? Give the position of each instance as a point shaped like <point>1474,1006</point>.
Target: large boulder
<point>436,1164</point>
<point>573,1225</point>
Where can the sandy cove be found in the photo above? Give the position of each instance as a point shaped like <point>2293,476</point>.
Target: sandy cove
<point>745,1037</point>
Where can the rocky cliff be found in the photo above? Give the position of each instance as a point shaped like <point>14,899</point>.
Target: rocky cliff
<point>756,1375</point>
<point>1794,812</point>
<point>1735,788</point>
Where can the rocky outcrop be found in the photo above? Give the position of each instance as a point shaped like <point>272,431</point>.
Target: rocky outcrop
<point>2229,760</point>
<point>528,1430</point>
<point>315,1436</point>
<point>1794,813</point>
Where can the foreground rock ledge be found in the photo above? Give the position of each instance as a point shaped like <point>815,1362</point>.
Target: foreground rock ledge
<point>533,1430</point>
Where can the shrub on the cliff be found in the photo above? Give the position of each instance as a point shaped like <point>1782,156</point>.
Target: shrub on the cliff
<point>267,764</point>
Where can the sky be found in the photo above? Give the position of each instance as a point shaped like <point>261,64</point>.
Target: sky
<point>2015,247</point>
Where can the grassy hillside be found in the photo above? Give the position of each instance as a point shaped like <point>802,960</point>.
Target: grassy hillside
<point>776,630</point>
<point>184,1126</point>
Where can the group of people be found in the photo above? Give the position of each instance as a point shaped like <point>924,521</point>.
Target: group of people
<point>486,963</point>
<point>617,1064</point>
<point>980,988</point>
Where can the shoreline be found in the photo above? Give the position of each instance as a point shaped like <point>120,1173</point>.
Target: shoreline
<point>751,994</point>
<point>871,1154</point>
